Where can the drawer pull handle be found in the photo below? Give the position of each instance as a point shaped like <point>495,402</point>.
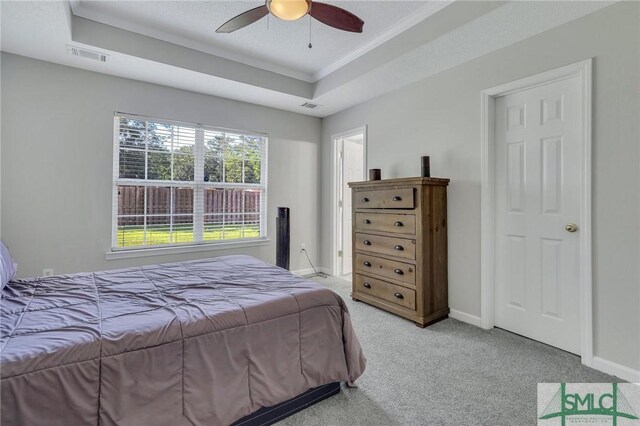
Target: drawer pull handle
<point>399,248</point>
<point>366,285</point>
<point>367,243</point>
<point>367,221</point>
<point>398,224</point>
<point>399,272</point>
<point>398,295</point>
<point>397,198</point>
<point>365,200</point>
<point>367,263</point>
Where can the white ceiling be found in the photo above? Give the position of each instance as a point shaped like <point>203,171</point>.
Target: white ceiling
<point>270,43</point>
<point>271,69</point>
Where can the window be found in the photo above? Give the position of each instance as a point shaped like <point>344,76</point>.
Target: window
<point>178,183</point>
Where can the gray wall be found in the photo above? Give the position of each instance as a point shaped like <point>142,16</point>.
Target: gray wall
<point>57,129</point>
<point>440,117</point>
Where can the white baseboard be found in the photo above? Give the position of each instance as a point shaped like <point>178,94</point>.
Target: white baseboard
<point>618,370</point>
<point>309,271</point>
<point>302,272</point>
<point>325,270</point>
<point>465,317</point>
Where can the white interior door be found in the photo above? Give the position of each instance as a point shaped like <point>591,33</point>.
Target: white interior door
<point>352,171</point>
<point>537,188</point>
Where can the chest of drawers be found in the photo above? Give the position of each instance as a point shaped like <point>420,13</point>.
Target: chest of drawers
<point>400,247</point>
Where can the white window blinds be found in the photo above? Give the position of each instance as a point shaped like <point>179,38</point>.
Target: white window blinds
<point>178,183</point>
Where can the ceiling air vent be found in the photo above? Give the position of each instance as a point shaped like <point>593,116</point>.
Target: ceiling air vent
<point>310,105</point>
<point>88,54</point>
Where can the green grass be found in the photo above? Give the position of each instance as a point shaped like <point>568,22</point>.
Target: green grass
<point>131,236</point>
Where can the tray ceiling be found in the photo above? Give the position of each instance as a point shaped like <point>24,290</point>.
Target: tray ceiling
<point>270,43</point>
<point>152,41</point>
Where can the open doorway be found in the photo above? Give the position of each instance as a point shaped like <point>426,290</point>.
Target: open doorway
<point>350,165</point>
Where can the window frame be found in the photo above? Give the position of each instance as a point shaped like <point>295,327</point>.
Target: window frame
<point>199,185</point>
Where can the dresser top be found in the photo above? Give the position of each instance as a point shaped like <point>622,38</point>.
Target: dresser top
<point>401,181</point>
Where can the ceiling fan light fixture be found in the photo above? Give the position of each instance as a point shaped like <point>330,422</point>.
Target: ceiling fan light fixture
<point>289,10</point>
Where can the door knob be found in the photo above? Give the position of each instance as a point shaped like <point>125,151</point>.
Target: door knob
<point>571,227</point>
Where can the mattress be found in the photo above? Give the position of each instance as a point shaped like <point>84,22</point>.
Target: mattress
<point>204,342</point>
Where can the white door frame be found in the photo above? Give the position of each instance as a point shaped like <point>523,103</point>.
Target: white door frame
<point>582,70</point>
<point>334,188</point>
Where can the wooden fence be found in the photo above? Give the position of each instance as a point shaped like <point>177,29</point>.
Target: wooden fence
<point>216,201</point>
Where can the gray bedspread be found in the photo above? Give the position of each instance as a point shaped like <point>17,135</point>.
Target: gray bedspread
<point>204,342</point>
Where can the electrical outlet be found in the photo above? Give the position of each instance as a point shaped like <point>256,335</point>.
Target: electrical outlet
<point>302,247</point>
<point>47,272</point>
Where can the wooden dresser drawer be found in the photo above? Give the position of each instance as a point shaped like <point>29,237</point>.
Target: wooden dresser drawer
<point>386,291</point>
<point>386,222</point>
<point>403,272</point>
<point>401,198</point>
<point>392,246</point>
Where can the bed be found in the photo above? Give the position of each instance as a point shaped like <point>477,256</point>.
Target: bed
<point>205,342</point>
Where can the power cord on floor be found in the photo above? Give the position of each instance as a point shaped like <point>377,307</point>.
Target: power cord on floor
<point>316,273</point>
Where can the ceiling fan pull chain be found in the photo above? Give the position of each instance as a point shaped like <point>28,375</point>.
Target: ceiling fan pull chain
<point>310,45</point>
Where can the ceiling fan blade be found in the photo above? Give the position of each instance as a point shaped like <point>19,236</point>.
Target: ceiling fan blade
<point>336,17</point>
<point>244,19</point>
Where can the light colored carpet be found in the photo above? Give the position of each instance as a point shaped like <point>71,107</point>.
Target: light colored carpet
<point>450,373</point>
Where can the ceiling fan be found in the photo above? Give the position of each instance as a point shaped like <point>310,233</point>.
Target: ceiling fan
<point>291,10</point>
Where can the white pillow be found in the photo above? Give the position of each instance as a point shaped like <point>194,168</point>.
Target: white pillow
<point>7,265</point>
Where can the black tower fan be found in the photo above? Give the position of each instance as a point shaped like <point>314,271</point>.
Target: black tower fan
<point>283,244</point>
